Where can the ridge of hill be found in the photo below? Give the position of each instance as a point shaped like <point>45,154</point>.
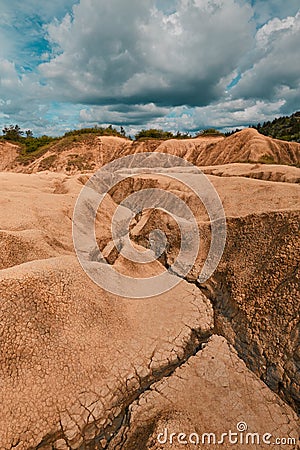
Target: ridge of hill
<point>286,128</point>
<point>78,154</point>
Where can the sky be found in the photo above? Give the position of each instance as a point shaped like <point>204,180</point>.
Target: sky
<point>171,64</point>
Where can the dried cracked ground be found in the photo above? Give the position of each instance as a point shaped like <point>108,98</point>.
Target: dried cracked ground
<point>84,369</point>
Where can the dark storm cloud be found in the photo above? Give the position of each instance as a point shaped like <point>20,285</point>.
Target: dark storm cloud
<point>133,115</point>
<point>131,52</point>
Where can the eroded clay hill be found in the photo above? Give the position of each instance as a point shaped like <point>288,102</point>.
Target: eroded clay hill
<point>81,368</point>
<point>85,154</point>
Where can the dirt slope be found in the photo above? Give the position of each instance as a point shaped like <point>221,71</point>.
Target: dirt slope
<point>250,146</point>
<point>266,172</point>
<point>8,155</point>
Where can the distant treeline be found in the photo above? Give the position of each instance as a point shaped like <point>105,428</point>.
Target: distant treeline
<point>286,128</point>
<point>100,131</point>
<point>14,133</point>
<point>154,133</point>
<point>31,144</point>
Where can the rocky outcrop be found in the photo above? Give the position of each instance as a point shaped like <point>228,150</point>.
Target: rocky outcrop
<point>251,146</point>
<point>266,172</point>
<point>255,292</point>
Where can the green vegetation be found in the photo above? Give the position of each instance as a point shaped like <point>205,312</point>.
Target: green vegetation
<point>13,133</point>
<point>46,163</point>
<point>32,144</point>
<point>286,128</point>
<point>230,133</point>
<point>99,131</point>
<point>28,143</point>
<point>32,147</point>
<point>210,132</point>
<point>154,133</point>
<point>267,159</point>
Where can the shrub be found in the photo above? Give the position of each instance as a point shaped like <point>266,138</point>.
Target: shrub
<point>210,132</point>
<point>267,159</point>
<point>153,133</point>
<point>100,131</point>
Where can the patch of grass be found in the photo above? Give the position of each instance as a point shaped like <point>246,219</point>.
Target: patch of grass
<point>267,159</point>
<point>66,142</point>
<point>46,163</point>
<point>153,134</point>
<point>33,144</point>
<point>99,131</point>
<point>78,162</point>
<point>212,132</point>
<point>157,134</point>
<point>55,145</point>
<point>26,158</point>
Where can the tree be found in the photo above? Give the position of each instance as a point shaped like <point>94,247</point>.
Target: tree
<point>210,132</point>
<point>153,133</point>
<point>12,133</point>
<point>122,131</point>
<point>29,133</point>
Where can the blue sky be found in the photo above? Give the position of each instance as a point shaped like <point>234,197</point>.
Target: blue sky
<point>173,64</point>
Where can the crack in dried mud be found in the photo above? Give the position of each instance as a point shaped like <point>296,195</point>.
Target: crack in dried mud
<point>104,436</point>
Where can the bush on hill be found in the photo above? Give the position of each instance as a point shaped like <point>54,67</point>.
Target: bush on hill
<point>100,131</point>
<point>154,133</point>
<point>29,144</point>
<point>210,132</point>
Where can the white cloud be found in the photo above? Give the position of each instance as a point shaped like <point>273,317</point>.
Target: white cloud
<point>9,79</point>
<point>226,114</point>
<point>22,99</point>
<point>270,31</point>
<point>277,66</point>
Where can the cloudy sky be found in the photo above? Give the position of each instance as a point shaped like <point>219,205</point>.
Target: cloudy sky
<point>172,64</point>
